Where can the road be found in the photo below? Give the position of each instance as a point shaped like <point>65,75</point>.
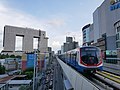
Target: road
<point>58,80</point>
<point>53,78</point>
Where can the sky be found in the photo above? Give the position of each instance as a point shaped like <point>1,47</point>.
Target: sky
<point>59,18</point>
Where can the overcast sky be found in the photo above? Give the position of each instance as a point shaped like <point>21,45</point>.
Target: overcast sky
<point>59,18</point>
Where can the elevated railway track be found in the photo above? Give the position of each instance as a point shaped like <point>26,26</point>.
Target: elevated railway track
<point>110,76</point>
<point>106,80</point>
<point>98,81</point>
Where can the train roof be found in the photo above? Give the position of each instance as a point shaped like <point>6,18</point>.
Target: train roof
<point>78,48</point>
<point>88,46</point>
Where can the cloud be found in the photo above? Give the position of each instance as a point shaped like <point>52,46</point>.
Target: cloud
<point>56,22</point>
<point>10,16</point>
<point>56,43</point>
<point>58,40</point>
<point>2,8</point>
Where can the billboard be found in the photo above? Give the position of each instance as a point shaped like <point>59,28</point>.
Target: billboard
<point>30,60</point>
<point>111,52</point>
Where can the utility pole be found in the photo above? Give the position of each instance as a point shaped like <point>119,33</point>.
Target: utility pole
<point>34,74</point>
<point>39,45</point>
<point>39,40</point>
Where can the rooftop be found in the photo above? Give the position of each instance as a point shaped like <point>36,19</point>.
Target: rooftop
<point>18,82</point>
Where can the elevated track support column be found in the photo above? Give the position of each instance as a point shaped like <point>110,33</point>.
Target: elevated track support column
<point>77,81</point>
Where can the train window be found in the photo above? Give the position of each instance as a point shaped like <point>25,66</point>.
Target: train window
<point>73,56</point>
<point>77,57</point>
<point>90,55</point>
<point>70,57</point>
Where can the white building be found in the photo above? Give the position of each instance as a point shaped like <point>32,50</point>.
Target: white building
<point>27,34</point>
<point>88,36</point>
<point>106,26</point>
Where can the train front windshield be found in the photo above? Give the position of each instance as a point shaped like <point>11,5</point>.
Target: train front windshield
<point>90,55</point>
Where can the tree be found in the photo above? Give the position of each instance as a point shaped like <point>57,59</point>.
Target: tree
<point>7,56</point>
<point>23,87</point>
<point>2,69</point>
<point>29,73</point>
<point>3,56</point>
<point>12,56</point>
<point>18,56</point>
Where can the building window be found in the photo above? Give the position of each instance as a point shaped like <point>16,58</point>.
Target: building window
<point>118,44</point>
<point>118,29</point>
<point>117,36</point>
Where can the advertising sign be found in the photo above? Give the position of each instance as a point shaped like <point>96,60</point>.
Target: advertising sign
<point>30,60</point>
<point>115,4</point>
<point>111,52</point>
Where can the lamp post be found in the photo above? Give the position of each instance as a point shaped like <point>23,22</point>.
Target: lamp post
<point>36,53</point>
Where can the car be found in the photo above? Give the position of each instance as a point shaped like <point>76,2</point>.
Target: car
<point>50,85</point>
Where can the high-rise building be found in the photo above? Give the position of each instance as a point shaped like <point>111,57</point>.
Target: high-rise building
<point>106,23</point>
<point>88,36</point>
<point>69,39</point>
<point>69,44</point>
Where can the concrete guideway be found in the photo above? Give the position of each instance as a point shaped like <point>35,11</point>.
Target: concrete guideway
<point>77,81</point>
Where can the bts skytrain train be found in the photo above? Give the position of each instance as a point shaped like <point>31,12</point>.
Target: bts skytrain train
<point>84,59</point>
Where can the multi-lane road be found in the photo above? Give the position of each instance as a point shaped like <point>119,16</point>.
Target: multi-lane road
<point>52,78</point>
<point>58,80</point>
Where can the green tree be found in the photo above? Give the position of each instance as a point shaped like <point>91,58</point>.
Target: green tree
<point>12,56</point>
<point>7,56</point>
<point>3,56</point>
<point>18,56</point>
<point>29,73</point>
<point>2,69</point>
<point>22,87</point>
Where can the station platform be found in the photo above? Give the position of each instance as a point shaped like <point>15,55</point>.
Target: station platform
<point>113,68</point>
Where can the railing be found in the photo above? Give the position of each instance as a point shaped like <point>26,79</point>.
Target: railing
<point>112,60</point>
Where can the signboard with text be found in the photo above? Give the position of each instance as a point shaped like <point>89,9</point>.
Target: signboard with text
<point>30,60</point>
<point>115,4</point>
<point>111,52</point>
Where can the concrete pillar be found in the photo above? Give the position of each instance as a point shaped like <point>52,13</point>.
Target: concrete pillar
<point>27,43</point>
<point>9,42</point>
<point>43,42</point>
